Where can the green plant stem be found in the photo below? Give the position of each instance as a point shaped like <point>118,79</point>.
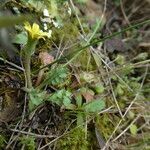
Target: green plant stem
<point>28,51</point>
<point>27,63</point>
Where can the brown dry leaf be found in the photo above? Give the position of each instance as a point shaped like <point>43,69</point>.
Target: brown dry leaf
<point>88,95</point>
<point>115,44</point>
<point>46,58</point>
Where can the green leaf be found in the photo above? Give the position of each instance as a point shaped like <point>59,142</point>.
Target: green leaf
<point>28,141</point>
<point>117,2</point>
<point>20,38</point>
<point>87,77</point>
<point>97,59</point>
<point>99,89</point>
<point>133,129</point>
<point>78,99</point>
<point>80,120</point>
<point>94,106</point>
<point>38,5</point>
<point>127,69</point>
<point>82,1</point>
<point>36,98</point>
<point>120,60</point>
<point>66,101</point>
<point>119,89</point>
<point>130,115</point>
<point>141,56</point>
<point>61,97</point>
<point>71,107</point>
<point>56,76</point>
<point>2,141</point>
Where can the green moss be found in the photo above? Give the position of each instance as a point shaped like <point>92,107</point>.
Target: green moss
<point>2,142</point>
<point>106,124</point>
<point>69,31</point>
<point>29,142</point>
<point>75,140</point>
<point>86,61</point>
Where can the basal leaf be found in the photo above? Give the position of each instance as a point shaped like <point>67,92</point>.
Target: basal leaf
<point>94,106</point>
<point>20,38</point>
<point>78,99</point>
<point>66,101</point>
<point>61,97</point>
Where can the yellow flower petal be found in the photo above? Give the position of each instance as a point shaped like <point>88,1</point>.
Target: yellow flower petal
<point>27,26</point>
<point>35,32</point>
<point>35,28</point>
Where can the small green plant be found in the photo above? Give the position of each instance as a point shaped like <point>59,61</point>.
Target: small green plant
<point>61,97</point>
<point>54,77</point>
<point>34,34</point>
<point>86,109</point>
<point>76,139</point>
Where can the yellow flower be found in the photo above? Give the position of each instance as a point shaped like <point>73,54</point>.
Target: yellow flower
<point>35,32</point>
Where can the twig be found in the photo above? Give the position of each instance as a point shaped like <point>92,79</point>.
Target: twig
<point>113,94</point>
<point>83,32</point>
<point>51,142</point>
<point>33,134</point>
<point>126,128</point>
<point>24,111</point>
<point>123,12</point>
<point>12,64</point>
<point>11,139</point>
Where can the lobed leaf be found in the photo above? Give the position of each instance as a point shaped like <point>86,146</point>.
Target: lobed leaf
<point>94,106</point>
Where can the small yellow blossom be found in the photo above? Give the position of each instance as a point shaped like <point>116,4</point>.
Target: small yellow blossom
<point>35,32</point>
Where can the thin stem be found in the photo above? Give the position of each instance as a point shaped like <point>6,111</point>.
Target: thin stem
<point>27,63</point>
<point>28,51</point>
<point>11,64</point>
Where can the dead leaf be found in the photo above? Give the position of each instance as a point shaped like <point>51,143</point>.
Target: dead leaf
<point>115,44</point>
<point>88,95</point>
<point>46,58</point>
